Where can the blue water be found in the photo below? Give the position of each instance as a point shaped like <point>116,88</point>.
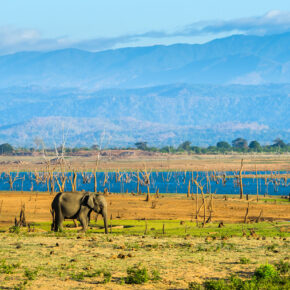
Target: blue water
<point>166,182</point>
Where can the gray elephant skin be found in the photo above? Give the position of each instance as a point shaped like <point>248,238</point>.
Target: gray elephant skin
<point>77,205</point>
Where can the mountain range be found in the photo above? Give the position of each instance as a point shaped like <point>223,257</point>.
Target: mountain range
<point>227,88</point>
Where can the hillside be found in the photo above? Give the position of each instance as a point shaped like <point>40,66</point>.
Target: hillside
<point>237,59</point>
<point>169,114</point>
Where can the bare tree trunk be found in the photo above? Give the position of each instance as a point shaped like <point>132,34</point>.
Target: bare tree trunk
<point>188,189</point>
<point>241,180</point>
<point>246,215</point>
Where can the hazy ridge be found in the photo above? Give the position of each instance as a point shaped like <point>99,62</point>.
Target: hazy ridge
<point>231,87</point>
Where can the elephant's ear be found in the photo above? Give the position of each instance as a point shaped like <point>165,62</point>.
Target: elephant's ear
<point>88,200</point>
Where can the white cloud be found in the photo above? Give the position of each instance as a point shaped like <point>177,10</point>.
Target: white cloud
<point>13,40</point>
<point>253,78</point>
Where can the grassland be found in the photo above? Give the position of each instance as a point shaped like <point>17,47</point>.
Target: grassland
<point>138,160</point>
<point>161,240</point>
<point>174,252</point>
<point>180,254</point>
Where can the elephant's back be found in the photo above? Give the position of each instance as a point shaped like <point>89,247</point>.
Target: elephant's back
<point>70,203</point>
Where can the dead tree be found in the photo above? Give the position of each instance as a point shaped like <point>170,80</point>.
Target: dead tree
<point>22,220</point>
<point>247,213</point>
<point>257,184</point>
<point>12,179</point>
<point>241,179</point>
<point>203,201</point>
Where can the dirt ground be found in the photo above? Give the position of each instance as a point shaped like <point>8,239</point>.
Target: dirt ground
<point>138,160</point>
<point>125,206</point>
<point>39,261</point>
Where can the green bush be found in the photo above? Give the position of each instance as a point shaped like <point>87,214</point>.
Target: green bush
<point>283,267</point>
<point>137,275</point>
<point>264,277</point>
<point>140,275</point>
<point>244,260</point>
<point>14,229</point>
<point>78,276</point>
<point>107,277</point>
<point>7,268</point>
<point>267,272</point>
<point>30,274</point>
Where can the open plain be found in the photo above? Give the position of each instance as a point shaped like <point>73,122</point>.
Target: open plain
<point>164,238</point>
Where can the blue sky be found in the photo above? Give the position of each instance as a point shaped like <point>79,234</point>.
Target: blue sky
<point>103,24</point>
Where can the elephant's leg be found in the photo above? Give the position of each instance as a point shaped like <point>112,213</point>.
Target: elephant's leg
<point>75,223</point>
<point>89,217</point>
<point>84,222</point>
<point>58,222</point>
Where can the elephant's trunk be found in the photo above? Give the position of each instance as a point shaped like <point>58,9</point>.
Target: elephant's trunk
<point>104,214</point>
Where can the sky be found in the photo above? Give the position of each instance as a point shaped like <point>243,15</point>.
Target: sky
<point>104,24</point>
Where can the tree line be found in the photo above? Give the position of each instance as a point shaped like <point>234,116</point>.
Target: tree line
<point>238,145</point>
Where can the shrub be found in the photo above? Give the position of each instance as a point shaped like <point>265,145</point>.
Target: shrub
<point>266,272</point>
<point>264,277</point>
<point>30,274</point>
<point>244,260</point>
<point>140,275</point>
<point>107,277</point>
<point>78,276</point>
<point>137,275</point>
<point>14,229</point>
<point>7,268</point>
<point>155,276</point>
<point>283,267</point>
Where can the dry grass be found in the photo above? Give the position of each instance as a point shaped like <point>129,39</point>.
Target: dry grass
<point>117,160</point>
<point>169,206</point>
<point>59,261</point>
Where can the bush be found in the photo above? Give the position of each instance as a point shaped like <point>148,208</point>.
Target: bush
<point>264,277</point>
<point>7,268</point>
<point>266,272</point>
<point>244,260</point>
<point>140,275</point>
<point>107,277</point>
<point>14,229</point>
<point>30,274</point>
<point>78,276</point>
<point>283,267</point>
<point>137,275</point>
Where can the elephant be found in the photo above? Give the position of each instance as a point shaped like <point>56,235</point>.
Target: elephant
<point>77,205</point>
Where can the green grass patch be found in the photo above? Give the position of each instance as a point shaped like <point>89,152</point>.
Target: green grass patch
<point>167,228</point>
<point>265,277</point>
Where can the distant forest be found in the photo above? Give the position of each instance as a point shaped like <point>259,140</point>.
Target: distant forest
<point>239,145</point>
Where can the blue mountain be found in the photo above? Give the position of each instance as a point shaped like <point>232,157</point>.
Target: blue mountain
<point>238,59</point>
<point>227,88</point>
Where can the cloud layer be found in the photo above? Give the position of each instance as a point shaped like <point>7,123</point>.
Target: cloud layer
<point>14,40</point>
